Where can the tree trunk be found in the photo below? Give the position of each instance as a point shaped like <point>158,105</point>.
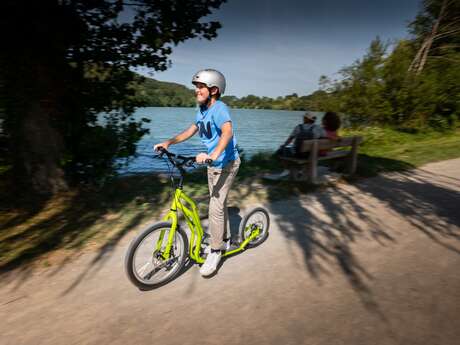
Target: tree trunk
<point>37,145</point>
<point>33,70</point>
<point>416,62</point>
<point>420,59</point>
<point>41,150</point>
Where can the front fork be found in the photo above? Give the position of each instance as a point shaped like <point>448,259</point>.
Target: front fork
<point>193,221</point>
<point>171,216</point>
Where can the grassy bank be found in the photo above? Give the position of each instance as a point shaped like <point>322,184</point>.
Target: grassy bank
<point>98,219</point>
<point>386,149</point>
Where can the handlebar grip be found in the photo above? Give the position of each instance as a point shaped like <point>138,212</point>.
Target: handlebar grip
<point>161,150</point>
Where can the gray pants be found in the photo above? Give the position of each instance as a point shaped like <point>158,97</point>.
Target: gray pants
<point>219,182</point>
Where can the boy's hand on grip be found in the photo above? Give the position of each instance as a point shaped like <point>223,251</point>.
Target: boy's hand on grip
<point>203,158</point>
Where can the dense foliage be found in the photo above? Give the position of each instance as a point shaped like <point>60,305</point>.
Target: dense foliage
<point>66,61</point>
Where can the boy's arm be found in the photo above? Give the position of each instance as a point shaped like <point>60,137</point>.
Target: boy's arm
<point>189,132</point>
<point>226,136</point>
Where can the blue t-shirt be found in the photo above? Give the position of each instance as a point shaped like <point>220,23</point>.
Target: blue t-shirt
<point>209,122</point>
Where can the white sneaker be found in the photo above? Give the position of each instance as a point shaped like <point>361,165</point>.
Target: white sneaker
<point>210,265</point>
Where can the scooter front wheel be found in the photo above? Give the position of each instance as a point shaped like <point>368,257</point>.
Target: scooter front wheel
<point>150,262</point>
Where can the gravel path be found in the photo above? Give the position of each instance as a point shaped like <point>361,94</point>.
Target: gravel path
<point>376,262</point>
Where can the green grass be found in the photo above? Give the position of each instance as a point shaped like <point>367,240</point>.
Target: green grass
<point>386,149</point>
<point>32,227</point>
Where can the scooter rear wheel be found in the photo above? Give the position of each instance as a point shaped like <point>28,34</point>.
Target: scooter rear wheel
<point>256,218</point>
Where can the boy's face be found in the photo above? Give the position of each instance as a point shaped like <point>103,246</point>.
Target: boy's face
<point>202,92</point>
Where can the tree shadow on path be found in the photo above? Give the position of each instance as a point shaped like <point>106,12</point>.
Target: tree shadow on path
<point>326,224</point>
<point>429,202</point>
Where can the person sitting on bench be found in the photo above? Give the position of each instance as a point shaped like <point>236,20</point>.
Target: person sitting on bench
<point>330,128</point>
<point>308,131</point>
<point>305,131</point>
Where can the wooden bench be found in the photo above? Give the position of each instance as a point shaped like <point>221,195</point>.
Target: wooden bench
<point>309,166</point>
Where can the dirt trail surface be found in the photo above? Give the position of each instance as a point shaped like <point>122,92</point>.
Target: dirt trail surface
<point>377,262</point>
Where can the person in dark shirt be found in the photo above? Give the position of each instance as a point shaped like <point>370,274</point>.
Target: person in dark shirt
<point>305,131</point>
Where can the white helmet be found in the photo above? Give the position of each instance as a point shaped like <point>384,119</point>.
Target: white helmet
<point>210,77</point>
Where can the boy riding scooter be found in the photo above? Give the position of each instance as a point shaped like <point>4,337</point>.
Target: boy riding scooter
<point>215,128</point>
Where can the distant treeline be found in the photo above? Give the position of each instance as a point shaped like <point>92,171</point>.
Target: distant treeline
<point>410,83</point>
<point>157,93</point>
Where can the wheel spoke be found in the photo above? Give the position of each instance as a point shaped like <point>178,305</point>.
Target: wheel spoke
<point>143,268</point>
<point>150,274</point>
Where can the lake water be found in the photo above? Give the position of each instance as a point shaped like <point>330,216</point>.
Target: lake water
<point>256,131</point>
